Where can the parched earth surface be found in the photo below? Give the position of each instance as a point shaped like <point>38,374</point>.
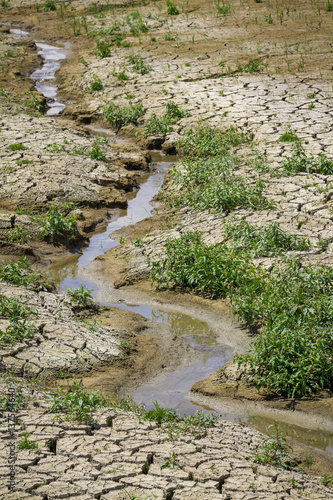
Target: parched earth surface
<point>198,59</point>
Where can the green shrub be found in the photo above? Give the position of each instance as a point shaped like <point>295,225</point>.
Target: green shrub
<point>118,116</point>
<point>328,6</point>
<point>103,49</point>
<point>204,141</point>
<point>269,241</point>
<point>138,64</point>
<point>251,67</point>
<point>211,185</point>
<point>16,235</point>
<point>49,5</point>
<point>19,273</point>
<point>172,9</point>
<point>81,295</point>
<point>293,304</point>
<point>96,84</point>
<point>55,224</point>
<point>300,162</point>
<point>163,125</point>
<point>75,402</point>
<point>16,147</point>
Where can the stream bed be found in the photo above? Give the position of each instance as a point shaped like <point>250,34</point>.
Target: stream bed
<point>170,390</point>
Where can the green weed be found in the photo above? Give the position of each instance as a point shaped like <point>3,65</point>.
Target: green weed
<point>163,125</point>
<point>17,147</point>
<point>19,273</point>
<point>118,116</point>
<point>138,64</point>
<point>18,328</point>
<point>16,235</point>
<point>300,162</point>
<point>171,462</point>
<point>251,67</point>
<point>103,49</point>
<point>80,296</point>
<point>96,84</point>
<point>269,241</point>
<point>75,403</point>
<point>172,9</point>
<point>49,5</point>
<point>289,136</point>
<point>27,444</point>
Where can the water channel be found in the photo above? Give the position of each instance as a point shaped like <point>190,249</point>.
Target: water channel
<point>171,390</point>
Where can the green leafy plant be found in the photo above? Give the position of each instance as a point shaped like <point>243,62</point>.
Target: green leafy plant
<point>328,6</point>
<point>138,64</point>
<point>267,241</point>
<point>274,449</point>
<point>289,136</point>
<point>169,37</point>
<point>49,5</point>
<point>170,462</point>
<point>251,67</point>
<point>223,9</point>
<point>18,328</point>
<point>74,403</point>
<point>118,116</point>
<point>97,152</point>
<point>56,224</point>
<point>27,444</point>
<point>81,295</point>
<point>16,235</point>
<point>19,273</point>
<point>160,415</point>
<point>327,480</point>
<point>300,162</point>
<point>17,147</point>
<point>172,9</point>
<point>103,49</point>
<point>163,125</point>
<point>96,84</point>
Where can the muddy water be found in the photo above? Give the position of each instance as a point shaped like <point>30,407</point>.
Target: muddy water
<point>169,390</point>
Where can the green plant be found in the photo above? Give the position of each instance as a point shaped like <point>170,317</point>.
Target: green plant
<point>96,84</point>
<point>328,6</point>
<point>223,9</point>
<point>172,9</point>
<point>308,461</point>
<point>171,462</point>
<point>137,242</point>
<point>75,403</point>
<point>269,241</point>
<point>16,147</point>
<point>18,328</point>
<point>138,64</point>
<point>55,224</point>
<point>26,444</point>
<point>163,124</point>
<point>49,5</point>
<point>327,481</point>
<point>81,296</point>
<point>97,152</point>
<point>103,49</point>
<point>19,273</point>
<point>300,162</point>
<point>169,37</point>
<point>119,116</point>
<point>160,415</point>
<point>274,449</point>
<point>289,136</point>
<point>269,19</point>
<point>251,67</point>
